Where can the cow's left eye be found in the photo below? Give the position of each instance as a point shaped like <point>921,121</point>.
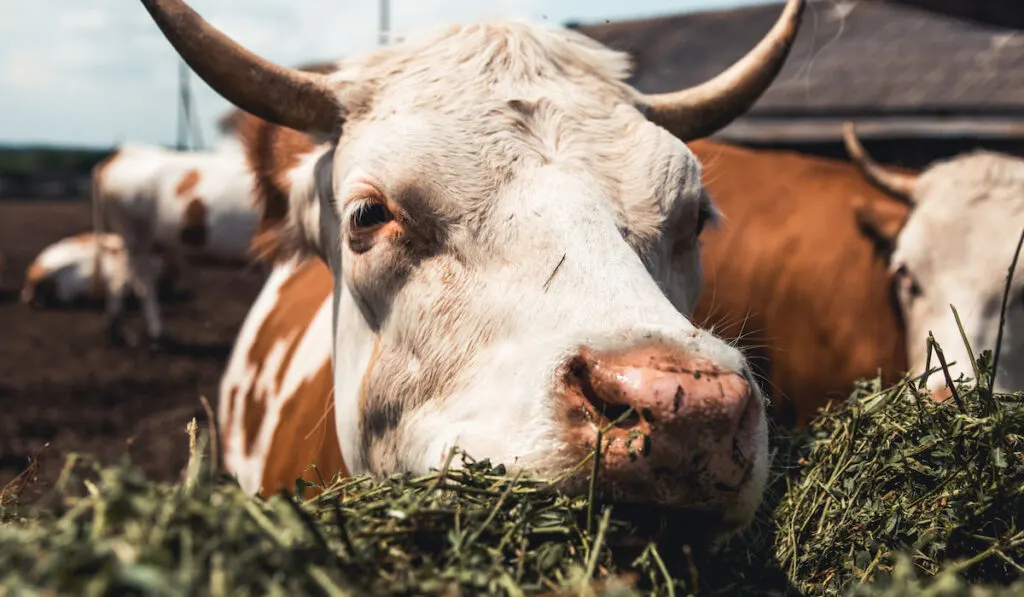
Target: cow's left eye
<point>371,215</point>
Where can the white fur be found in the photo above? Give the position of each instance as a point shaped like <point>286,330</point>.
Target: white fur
<point>70,262</point>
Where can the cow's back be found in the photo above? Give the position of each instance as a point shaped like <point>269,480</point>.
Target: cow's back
<point>132,173</point>
<point>68,265</point>
<point>275,410</point>
<point>788,273</point>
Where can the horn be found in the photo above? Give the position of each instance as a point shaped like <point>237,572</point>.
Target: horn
<point>291,98</point>
<point>899,185</point>
<point>701,110</point>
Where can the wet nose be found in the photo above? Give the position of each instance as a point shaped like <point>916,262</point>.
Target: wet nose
<point>940,393</point>
<point>658,386</point>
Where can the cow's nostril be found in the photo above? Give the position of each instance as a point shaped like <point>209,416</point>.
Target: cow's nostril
<point>619,414</point>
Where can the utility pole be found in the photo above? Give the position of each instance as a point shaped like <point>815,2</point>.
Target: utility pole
<point>385,22</point>
<point>190,136</point>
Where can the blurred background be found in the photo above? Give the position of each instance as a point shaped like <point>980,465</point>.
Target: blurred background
<point>926,76</point>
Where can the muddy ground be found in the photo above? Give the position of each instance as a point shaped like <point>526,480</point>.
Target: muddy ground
<point>60,385</point>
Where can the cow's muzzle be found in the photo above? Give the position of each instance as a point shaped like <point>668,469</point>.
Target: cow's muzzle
<point>677,430</point>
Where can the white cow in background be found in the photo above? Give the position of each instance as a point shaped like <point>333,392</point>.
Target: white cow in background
<point>64,272</point>
<point>167,205</point>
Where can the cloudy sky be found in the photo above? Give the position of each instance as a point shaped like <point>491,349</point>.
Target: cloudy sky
<point>98,72</point>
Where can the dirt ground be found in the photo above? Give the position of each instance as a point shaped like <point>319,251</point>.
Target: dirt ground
<point>60,385</point>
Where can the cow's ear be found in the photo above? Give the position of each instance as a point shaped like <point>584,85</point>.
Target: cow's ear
<point>881,221</point>
<point>279,158</point>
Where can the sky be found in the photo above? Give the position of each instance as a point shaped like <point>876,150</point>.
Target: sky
<point>99,72</point>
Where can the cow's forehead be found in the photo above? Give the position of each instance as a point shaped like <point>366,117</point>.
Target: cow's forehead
<point>457,65</point>
<point>979,180</point>
<point>968,214</point>
<point>463,121</point>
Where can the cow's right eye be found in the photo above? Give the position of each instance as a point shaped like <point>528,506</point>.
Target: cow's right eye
<point>371,215</point>
<point>907,282</point>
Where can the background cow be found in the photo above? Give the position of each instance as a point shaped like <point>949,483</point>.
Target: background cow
<point>177,204</point>
<point>791,278</point>
<point>512,236</point>
<point>948,236</point>
<point>65,272</point>
<point>796,271</point>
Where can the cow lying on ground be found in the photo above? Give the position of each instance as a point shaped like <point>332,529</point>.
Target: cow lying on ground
<point>511,232</point>
<point>63,272</point>
<point>796,271</point>
<point>175,204</point>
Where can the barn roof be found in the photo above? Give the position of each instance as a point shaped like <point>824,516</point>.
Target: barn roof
<point>891,67</point>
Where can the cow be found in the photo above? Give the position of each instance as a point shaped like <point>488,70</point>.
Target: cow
<point>791,278</point>
<point>511,235</point>
<point>809,272</point>
<point>177,204</point>
<point>63,272</point>
<point>949,235</point>
<point>275,413</point>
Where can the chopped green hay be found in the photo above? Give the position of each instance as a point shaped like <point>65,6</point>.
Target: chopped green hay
<point>886,494</point>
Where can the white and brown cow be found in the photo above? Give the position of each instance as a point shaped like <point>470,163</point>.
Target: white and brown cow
<point>64,272</point>
<point>511,234</point>
<point>168,205</point>
<point>949,234</point>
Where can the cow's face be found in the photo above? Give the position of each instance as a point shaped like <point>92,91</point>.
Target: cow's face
<point>950,235</point>
<point>956,249</point>
<point>512,276</point>
<point>515,250</point>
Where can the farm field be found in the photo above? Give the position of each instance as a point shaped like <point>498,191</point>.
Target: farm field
<point>59,384</point>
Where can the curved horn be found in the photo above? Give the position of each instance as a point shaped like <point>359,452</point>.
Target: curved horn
<point>701,110</point>
<point>299,100</point>
<point>900,186</point>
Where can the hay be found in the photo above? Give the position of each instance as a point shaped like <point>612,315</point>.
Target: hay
<point>886,494</point>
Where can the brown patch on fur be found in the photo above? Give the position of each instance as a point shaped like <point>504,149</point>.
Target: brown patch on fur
<point>35,274</point>
<point>305,434</point>
<point>271,151</point>
<point>298,300</point>
<point>790,275</point>
<point>252,419</point>
<point>193,230</point>
<point>187,183</point>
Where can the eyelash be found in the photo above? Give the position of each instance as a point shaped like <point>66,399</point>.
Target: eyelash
<point>369,214</point>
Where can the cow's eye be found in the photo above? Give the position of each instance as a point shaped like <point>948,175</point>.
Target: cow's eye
<point>371,215</point>
<point>703,217</point>
<point>907,282</point>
